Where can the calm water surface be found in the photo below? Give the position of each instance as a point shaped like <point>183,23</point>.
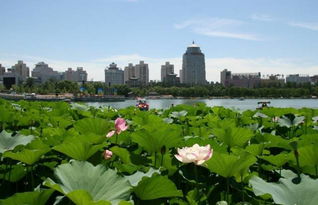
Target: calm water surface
<point>229,103</point>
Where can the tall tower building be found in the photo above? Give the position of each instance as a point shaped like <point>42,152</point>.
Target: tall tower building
<point>193,66</point>
<point>114,75</point>
<point>129,72</point>
<point>166,70</point>
<point>142,72</point>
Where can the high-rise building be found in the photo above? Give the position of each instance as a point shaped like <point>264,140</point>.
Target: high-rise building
<point>79,75</point>
<point>129,72</point>
<point>21,70</point>
<point>142,72</point>
<point>168,77</point>
<point>2,70</point>
<point>114,75</point>
<point>166,70</point>
<point>193,66</point>
<point>43,73</point>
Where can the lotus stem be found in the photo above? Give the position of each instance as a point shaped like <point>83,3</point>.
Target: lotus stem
<point>227,190</point>
<point>155,162</point>
<point>196,173</point>
<point>161,160</point>
<point>116,138</point>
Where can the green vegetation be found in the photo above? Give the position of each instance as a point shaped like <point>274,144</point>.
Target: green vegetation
<point>55,153</point>
<point>213,90</point>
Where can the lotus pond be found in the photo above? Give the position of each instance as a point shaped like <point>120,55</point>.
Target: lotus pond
<point>64,154</point>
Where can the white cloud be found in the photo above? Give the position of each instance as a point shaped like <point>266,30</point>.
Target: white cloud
<point>214,66</point>
<point>261,17</point>
<point>217,27</point>
<point>307,25</point>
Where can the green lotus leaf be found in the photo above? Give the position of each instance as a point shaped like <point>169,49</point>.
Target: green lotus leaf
<point>179,114</point>
<point>78,150</point>
<point>230,165</point>
<point>278,160</point>
<point>27,156</point>
<point>81,197</point>
<point>17,172</point>
<point>286,122</point>
<point>122,153</point>
<point>99,183</point>
<point>308,158</point>
<point>156,187</point>
<point>285,191</point>
<point>28,198</point>
<point>135,178</point>
<point>231,135</point>
<point>9,142</point>
<point>152,137</point>
<point>96,126</point>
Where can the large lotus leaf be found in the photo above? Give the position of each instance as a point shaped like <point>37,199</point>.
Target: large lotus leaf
<point>156,187</point>
<point>231,135</point>
<point>275,141</point>
<point>53,136</point>
<point>9,142</point>
<point>96,126</point>
<point>31,153</point>
<point>122,153</point>
<point>153,137</point>
<point>230,165</point>
<point>17,172</point>
<point>27,156</point>
<point>28,198</point>
<point>78,150</point>
<point>135,178</point>
<point>285,191</point>
<point>308,159</point>
<point>278,160</point>
<point>179,114</point>
<point>81,197</point>
<point>286,122</point>
<point>100,183</point>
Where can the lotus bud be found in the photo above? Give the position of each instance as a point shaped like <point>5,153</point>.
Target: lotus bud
<point>108,154</point>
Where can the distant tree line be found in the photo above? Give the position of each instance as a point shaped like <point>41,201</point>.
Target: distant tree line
<point>212,90</point>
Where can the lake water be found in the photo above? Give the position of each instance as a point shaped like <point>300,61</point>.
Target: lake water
<point>229,103</point>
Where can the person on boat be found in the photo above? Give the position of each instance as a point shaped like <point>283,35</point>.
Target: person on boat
<point>142,105</point>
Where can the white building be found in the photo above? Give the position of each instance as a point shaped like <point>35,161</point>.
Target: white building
<point>43,72</point>
<point>79,75</point>
<point>166,70</point>
<point>136,75</point>
<point>114,75</point>
<point>21,70</point>
<point>129,72</point>
<point>193,66</point>
<point>142,73</point>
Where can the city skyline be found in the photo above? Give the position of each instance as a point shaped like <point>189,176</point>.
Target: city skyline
<point>267,36</point>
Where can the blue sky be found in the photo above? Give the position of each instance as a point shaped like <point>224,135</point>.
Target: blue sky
<point>268,36</point>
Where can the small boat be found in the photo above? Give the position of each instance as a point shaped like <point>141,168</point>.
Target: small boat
<point>263,104</point>
<point>142,104</point>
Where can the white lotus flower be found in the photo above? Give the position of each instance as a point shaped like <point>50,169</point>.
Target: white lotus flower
<point>196,154</point>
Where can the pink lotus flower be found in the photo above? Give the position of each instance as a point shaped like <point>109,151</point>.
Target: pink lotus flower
<point>108,154</point>
<point>196,154</point>
<point>120,125</point>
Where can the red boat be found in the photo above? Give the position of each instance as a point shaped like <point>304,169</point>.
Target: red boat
<point>142,104</point>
